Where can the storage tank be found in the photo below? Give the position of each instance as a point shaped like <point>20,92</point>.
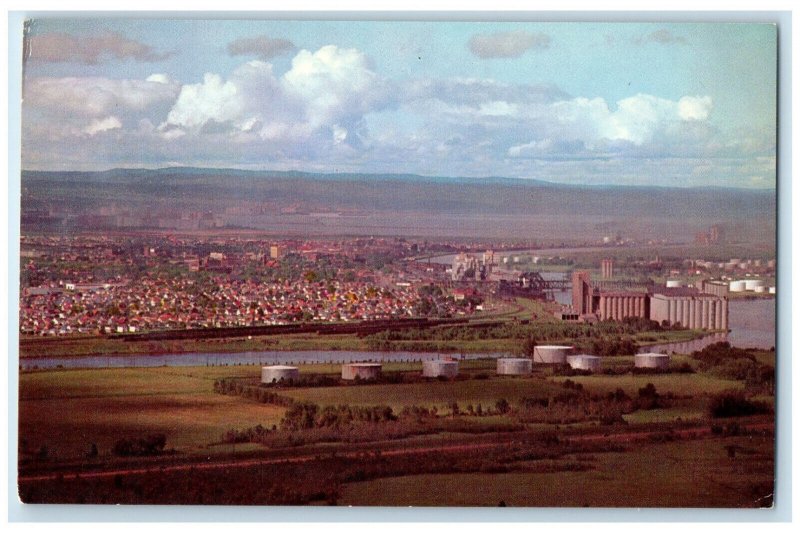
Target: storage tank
<point>514,366</point>
<point>437,368</point>
<point>351,371</point>
<point>277,373</point>
<point>761,289</point>
<point>772,290</point>
<point>737,286</point>
<point>651,360</point>
<point>551,354</point>
<point>672,283</point>
<point>752,284</point>
<point>584,362</point>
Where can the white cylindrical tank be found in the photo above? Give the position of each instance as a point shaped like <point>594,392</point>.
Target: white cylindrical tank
<point>651,360</point>
<point>752,284</point>
<point>671,283</point>
<point>772,290</point>
<point>514,367</point>
<point>584,362</point>
<point>437,368</point>
<point>551,354</point>
<point>351,371</point>
<point>760,288</point>
<point>277,373</point>
<point>737,286</point>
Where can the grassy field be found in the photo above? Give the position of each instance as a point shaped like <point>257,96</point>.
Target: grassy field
<point>674,474</point>
<point>680,384</point>
<point>439,394</point>
<point>67,410</point>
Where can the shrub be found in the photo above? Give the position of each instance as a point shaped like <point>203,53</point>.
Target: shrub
<point>730,404</point>
<point>138,447</point>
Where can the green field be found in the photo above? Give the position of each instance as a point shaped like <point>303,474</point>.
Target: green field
<point>67,410</point>
<point>674,474</point>
<point>439,394</point>
<point>680,384</point>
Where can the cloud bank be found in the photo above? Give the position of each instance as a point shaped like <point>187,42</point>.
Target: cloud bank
<point>331,109</point>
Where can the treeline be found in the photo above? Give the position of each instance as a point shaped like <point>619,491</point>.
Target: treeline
<point>575,404</point>
<point>236,387</point>
<point>307,423</point>
<point>608,337</point>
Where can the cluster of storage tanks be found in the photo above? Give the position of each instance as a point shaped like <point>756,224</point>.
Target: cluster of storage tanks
<point>752,285</point>
<point>506,366</point>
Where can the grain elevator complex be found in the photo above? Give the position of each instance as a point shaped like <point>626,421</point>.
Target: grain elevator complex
<point>687,306</point>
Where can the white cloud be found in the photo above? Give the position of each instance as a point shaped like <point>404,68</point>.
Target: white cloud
<point>637,118</point>
<point>198,103</point>
<point>97,126</point>
<point>694,107</point>
<point>334,83</point>
<point>95,97</point>
<point>327,91</point>
<point>339,134</point>
<point>498,109</point>
<point>159,78</point>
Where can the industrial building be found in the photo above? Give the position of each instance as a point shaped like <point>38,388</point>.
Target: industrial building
<point>616,305</point>
<point>717,288</point>
<point>687,306</point>
<point>607,268</point>
<point>469,267</point>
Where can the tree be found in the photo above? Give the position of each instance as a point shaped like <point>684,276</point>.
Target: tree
<point>528,346</point>
<point>502,406</point>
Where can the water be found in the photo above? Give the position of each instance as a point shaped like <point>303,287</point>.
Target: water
<point>241,358</point>
<point>751,323</point>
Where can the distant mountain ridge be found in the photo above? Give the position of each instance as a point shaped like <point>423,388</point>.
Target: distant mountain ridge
<point>220,190</point>
<point>178,171</point>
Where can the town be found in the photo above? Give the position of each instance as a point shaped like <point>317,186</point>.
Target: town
<point>105,285</point>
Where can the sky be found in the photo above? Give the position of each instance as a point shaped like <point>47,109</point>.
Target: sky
<point>666,104</point>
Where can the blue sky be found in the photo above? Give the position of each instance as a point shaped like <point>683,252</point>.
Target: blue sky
<point>613,103</point>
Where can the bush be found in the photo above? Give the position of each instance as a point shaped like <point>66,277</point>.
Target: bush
<point>730,404</point>
<point>138,447</point>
